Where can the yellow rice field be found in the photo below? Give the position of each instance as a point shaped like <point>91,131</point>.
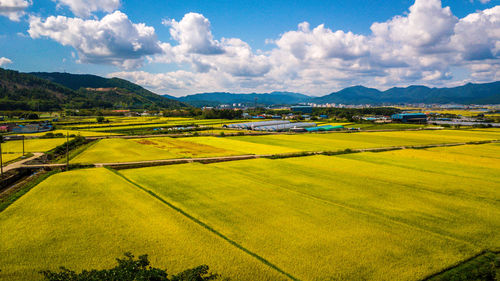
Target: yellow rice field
<point>121,150</point>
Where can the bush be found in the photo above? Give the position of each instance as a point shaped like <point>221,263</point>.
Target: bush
<point>130,269</point>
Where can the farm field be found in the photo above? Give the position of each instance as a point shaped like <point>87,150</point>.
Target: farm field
<point>6,157</point>
<point>82,133</point>
<point>124,150</point>
<point>399,215</point>
<point>395,215</point>
<point>174,123</point>
<point>86,218</point>
<point>121,150</point>
<point>31,145</point>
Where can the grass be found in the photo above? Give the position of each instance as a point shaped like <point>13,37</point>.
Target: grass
<point>31,145</point>
<point>86,218</point>
<point>125,150</point>
<point>398,215</point>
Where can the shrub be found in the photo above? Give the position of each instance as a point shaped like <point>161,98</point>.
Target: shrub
<point>130,269</point>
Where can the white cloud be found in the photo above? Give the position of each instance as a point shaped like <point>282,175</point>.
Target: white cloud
<point>4,61</point>
<point>424,46</point>
<point>477,36</point>
<point>14,9</point>
<point>194,35</point>
<point>84,8</point>
<point>112,40</point>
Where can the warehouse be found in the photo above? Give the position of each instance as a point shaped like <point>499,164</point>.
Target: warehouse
<point>410,117</point>
<point>302,109</point>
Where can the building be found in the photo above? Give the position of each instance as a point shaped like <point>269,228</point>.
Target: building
<point>302,108</point>
<point>410,117</point>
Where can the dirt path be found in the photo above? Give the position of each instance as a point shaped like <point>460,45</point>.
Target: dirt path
<point>20,163</point>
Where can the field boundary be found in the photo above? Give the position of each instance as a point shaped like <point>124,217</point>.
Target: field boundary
<point>204,225</point>
<point>460,263</point>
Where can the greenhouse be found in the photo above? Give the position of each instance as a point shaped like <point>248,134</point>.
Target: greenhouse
<point>252,125</point>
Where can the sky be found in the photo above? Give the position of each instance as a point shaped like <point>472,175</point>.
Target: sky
<point>315,47</point>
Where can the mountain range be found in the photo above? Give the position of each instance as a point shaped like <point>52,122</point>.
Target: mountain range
<point>487,93</point>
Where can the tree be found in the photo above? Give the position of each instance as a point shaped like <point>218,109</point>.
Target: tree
<point>130,269</point>
<point>100,119</point>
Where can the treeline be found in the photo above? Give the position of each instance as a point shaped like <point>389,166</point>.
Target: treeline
<point>205,113</point>
<point>131,269</point>
<point>349,113</point>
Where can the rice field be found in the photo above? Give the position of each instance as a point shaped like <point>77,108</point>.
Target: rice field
<point>31,145</point>
<point>121,150</point>
<point>82,133</point>
<point>399,215</point>
<point>86,218</point>
<point>6,157</point>
<point>394,215</point>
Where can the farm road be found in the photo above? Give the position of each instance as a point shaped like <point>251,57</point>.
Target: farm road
<point>20,163</point>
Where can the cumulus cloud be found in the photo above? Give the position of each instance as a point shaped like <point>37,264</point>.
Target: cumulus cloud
<point>194,35</point>
<point>424,46</point>
<point>14,9</point>
<point>84,8</point>
<point>112,40</point>
<point>4,61</point>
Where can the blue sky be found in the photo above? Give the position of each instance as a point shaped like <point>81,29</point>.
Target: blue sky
<point>314,47</point>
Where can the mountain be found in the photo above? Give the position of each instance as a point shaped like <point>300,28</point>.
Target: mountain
<point>274,98</point>
<point>118,92</point>
<point>351,95</point>
<point>488,93</point>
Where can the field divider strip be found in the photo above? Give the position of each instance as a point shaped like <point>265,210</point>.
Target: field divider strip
<point>204,225</point>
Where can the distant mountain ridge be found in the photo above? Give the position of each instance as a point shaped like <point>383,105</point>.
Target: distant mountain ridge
<point>487,93</point>
<point>216,98</point>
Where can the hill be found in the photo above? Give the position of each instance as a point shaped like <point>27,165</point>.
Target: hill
<point>119,92</point>
<point>274,98</point>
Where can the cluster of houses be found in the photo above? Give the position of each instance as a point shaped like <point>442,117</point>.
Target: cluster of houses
<point>15,128</point>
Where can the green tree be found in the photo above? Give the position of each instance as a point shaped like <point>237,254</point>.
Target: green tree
<point>130,269</point>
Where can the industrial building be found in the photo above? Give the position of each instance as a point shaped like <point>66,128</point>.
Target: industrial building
<point>302,109</point>
<point>324,128</point>
<point>410,117</point>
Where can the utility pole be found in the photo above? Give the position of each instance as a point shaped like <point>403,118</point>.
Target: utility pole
<point>67,151</point>
<point>23,145</point>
